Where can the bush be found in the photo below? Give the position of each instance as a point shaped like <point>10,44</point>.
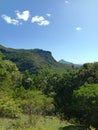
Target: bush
<point>8,107</point>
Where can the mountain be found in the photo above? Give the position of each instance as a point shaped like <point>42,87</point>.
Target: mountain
<point>69,63</point>
<point>65,62</point>
<point>33,60</point>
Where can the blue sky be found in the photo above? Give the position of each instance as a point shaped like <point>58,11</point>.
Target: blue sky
<point>67,28</point>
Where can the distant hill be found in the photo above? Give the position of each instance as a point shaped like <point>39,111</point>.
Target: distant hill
<point>33,60</point>
<point>65,62</point>
<point>69,63</point>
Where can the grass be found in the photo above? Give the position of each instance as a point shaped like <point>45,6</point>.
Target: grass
<point>40,123</point>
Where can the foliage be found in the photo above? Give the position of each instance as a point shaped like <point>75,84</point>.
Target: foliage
<point>66,84</point>
<point>14,73</point>
<point>47,123</point>
<point>88,73</point>
<point>27,81</point>
<point>34,102</point>
<point>71,95</point>
<point>8,107</point>
<point>86,104</point>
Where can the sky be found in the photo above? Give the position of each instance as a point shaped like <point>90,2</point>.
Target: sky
<point>67,28</point>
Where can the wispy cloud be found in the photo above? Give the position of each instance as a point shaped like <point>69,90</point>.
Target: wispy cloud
<point>9,20</point>
<point>23,16</point>
<point>66,1</point>
<point>48,14</point>
<point>40,20</point>
<point>79,28</point>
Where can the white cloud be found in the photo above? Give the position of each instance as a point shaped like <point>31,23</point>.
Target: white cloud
<point>9,20</point>
<point>37,19</point>
<point>44,23</point>
<point>48,14</point>
<point>66,1</point>
<point>24,15</point>
<point>40,20</point>
<point>78,28</point>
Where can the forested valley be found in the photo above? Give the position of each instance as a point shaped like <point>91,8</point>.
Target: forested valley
<point>29,101</point>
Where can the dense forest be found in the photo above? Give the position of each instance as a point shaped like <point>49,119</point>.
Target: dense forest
<point>72,96</point>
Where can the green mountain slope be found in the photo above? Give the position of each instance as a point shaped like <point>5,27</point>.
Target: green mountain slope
<point>33,60</point>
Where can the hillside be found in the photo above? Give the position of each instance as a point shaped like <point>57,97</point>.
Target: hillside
<point>70,63</point>
<point>33,60</point>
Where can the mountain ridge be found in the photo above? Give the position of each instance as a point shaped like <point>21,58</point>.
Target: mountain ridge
<point>33,60</point>
<point>62,61</point>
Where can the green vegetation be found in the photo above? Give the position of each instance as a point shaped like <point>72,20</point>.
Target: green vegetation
<point>48,100</point>
<point>48,123</point>
<point>34,60</point>
<point>86,102</point>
